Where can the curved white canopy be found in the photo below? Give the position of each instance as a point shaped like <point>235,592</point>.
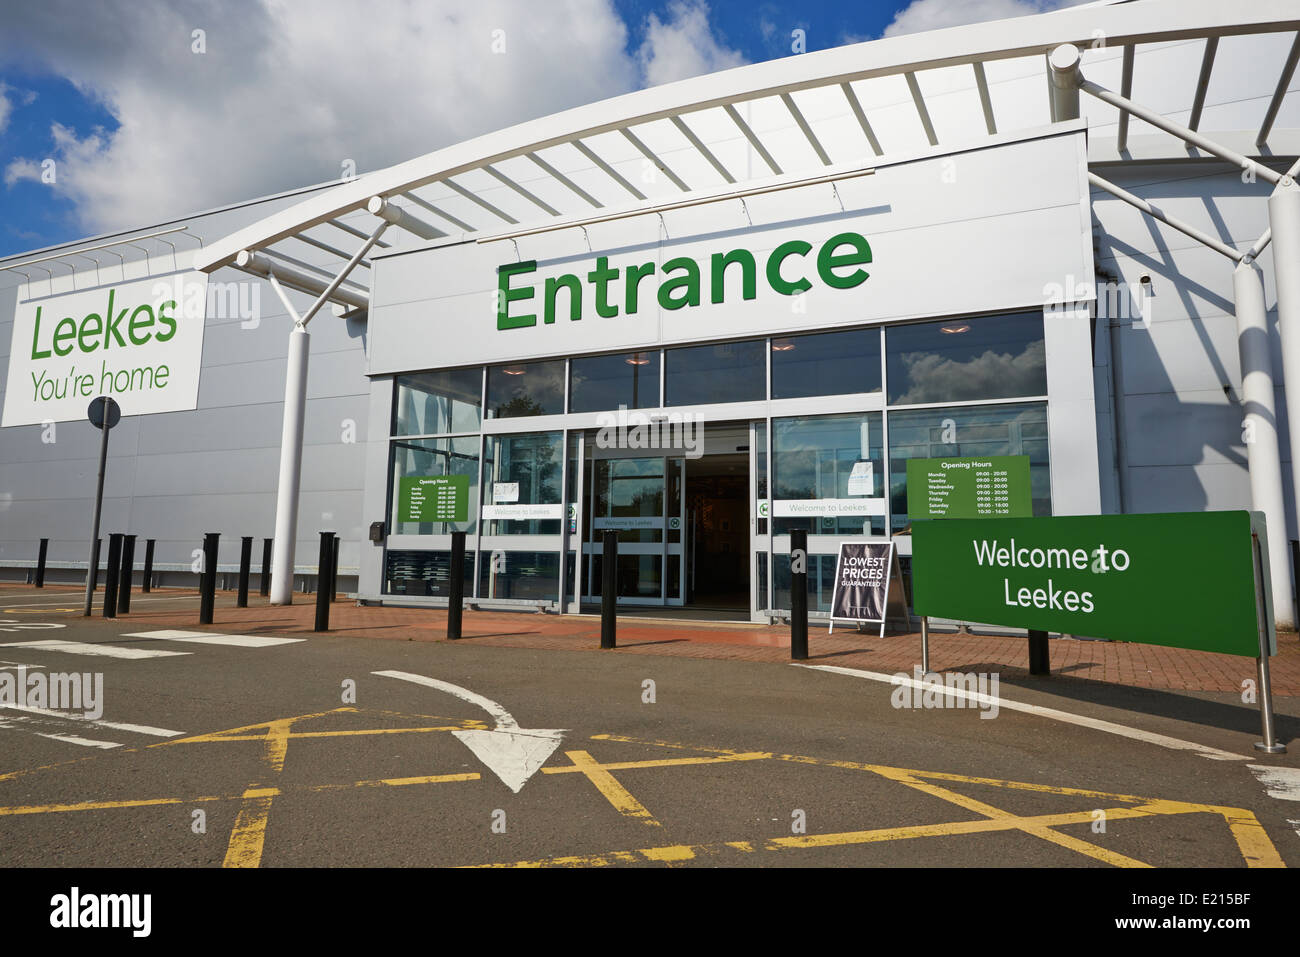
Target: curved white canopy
<point>811,114</point>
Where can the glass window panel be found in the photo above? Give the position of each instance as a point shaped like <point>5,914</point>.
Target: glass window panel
<point>813,458</point>
<point>533,460</point>
<point>458,456</point>
<point>982,430</point>
<point>600,383</point>
<point>956,360</point>
<point>726,372</point>
<point>525,388</point>
<point>431,402</point>
<point>530,575</point>
<point>423,573</point>
<point>830,363</point>
<point>627,489</point>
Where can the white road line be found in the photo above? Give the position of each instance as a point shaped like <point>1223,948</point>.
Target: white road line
<point>1150,737</point>
<point>20,724</point>
<point>99,651</point>
<point>97,722</point>
<point>1280,783</point>
<point>208,638</point>
<point>84,742</point>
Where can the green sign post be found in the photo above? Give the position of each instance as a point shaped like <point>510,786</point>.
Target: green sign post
<point>433,498</point>
<point>1185,580</point>
<point>993,487</point>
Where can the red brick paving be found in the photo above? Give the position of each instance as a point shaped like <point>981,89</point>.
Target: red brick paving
<point>1142,666</point>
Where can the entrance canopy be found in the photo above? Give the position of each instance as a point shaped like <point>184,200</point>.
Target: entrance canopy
<point>794,120</point>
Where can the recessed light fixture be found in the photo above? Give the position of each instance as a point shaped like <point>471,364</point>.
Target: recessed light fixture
<point>514,370</point>
<point>638,359</point>
<point>782,345</point>
<point>955,330</point>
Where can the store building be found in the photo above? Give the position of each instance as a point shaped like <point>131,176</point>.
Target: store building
<point>709,313</point>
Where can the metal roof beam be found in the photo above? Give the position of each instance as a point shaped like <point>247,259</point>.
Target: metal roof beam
<point>754,141</point>
<point>391,213</point>
<point>986,102</point>
<point>1126,91</point>
<point>506,180</point>
<point>1183,133</point>
<point>1288,70</point>
<point>807,130</point>
<point>608,170</point>
<point>1203,81</point>
<point>332,250</point>
<point>479,201</point>
<point>259,264</point>
<point>560,177</point>
<point>350,230</point>
<point>861,118</point>
<point>704,151</point>
<point>439,211</point>
<point>1156,212</point>
<point>653,158</point>
<point>921,111</point>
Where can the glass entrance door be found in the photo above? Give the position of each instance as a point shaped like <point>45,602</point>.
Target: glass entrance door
<point>642,499</point>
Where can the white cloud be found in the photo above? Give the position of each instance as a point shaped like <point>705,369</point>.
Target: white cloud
<point>684,46</point>
<point>922,15</point>
<point>286,92</point>
<point>22,169</point>
<point>6,107</point>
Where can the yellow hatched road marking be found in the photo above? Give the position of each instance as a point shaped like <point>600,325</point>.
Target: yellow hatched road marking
<point>608,785</point>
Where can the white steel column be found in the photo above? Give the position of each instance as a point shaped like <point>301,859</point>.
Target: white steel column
<point>1263,458</point>
<point>1284,221</point>
<point>286,498</point>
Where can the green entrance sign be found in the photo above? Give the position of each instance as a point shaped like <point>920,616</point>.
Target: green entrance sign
<point>1183,579</point>
<point>992,487</point>
<point>433,498</point>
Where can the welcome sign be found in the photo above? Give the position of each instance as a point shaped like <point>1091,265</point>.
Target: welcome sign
<point>140,342</point>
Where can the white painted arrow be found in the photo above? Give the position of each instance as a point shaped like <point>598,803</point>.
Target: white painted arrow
<point>512,753</point>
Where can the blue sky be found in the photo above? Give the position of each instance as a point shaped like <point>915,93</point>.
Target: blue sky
<point>137,136</point>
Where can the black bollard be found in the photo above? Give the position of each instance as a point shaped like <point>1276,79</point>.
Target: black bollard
<point>245,560</point>
<point>124,579</point>
<point>1039,663</point>
<point>40,563</point>
<point>456,585</point>
<point>799,595</point>
<point>323,581</point>
<point>110,574</point>
<point>208,577</point>
<point>334,569</point>
<point>609,589</point>
<point>148,565</point>
<point>264,586</point>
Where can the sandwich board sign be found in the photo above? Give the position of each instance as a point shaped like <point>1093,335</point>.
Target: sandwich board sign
<point>867,584</point>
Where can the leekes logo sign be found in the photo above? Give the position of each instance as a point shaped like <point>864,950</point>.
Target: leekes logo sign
<point>140,342</point>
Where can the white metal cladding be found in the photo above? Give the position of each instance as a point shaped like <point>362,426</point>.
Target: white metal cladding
<point>1227,67</point>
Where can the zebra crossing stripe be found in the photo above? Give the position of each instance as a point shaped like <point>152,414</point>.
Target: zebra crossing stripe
<point>95,650</point>
<point>208,638</point>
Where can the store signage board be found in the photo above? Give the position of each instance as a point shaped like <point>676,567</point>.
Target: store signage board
<point>139,342</point>
<point>786,261</point>
<point>1183,579</point>
<point>433,498</point>
<point>522,512</point>
<point>992,487</point>
<point>801,508</point>
<point>867,582</point>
